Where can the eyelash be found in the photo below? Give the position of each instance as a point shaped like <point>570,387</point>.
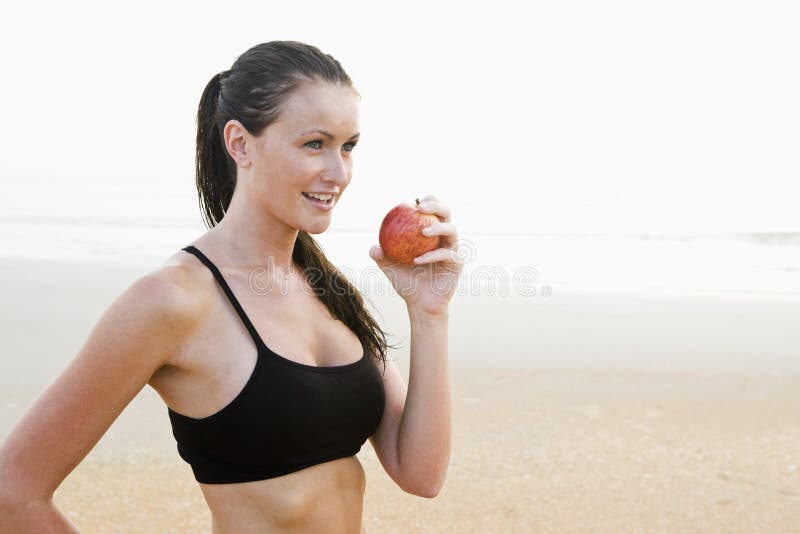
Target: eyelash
<point>353,143</point>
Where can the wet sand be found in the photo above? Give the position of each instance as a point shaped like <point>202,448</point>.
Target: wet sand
<point>587,411</point>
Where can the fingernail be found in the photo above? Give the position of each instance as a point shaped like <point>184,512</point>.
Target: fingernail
<point>425,206</point>
<point>427,231</point>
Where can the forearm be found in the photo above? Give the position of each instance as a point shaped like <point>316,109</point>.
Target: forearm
<point>424,435</point>
<point>33,517</point>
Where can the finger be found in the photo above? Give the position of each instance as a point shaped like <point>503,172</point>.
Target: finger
<point>445,229</point>
<point>446,255</point>
<point>376,253</point>
<point>435,207</point>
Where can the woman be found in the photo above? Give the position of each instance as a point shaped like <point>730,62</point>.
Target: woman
<point>270,393</point>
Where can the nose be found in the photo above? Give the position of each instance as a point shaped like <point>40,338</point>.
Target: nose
<point>338,170</point>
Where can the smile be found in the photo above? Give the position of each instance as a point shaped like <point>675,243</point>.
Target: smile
<point>325,204</point>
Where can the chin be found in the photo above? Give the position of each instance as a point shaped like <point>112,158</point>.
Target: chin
<point>316,229</point>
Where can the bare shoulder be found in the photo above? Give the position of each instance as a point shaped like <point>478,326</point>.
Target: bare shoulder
<point>174,295</point>
<point>173,288</point>
<point>137,335</point>
<point>150,321</point>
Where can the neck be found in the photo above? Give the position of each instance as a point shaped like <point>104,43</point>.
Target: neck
<point>251,238</point>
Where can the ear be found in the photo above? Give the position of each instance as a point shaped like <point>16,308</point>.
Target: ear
<point>236,142</point>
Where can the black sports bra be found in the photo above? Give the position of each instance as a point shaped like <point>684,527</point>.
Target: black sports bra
<point>288,416</point>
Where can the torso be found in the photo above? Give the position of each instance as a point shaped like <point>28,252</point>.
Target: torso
<point>212,368</point>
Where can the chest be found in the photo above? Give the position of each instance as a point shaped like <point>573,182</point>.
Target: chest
<point>216,363</point>
<point>298,327</point>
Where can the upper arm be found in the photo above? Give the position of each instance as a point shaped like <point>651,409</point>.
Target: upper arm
<point>131,340</point>
<point>384,440</point>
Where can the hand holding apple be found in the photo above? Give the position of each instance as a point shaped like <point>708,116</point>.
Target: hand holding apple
<point>418,253</point>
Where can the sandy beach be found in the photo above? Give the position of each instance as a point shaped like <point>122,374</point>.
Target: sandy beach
<point>586,411</point>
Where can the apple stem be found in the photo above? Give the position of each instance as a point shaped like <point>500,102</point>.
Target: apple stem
<point>417,201</point>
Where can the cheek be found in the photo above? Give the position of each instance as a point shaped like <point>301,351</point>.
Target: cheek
<point>286,178</point>
<point>300,169</point>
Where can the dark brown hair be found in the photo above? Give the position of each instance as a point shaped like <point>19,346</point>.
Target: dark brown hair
<point>252,92</point>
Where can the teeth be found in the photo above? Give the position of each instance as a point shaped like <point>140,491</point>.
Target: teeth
<point>324,198</point>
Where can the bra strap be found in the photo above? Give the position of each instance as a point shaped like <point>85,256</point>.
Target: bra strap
<point>226,288</point>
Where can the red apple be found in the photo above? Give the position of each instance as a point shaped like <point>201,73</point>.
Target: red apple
<point>401,236</point>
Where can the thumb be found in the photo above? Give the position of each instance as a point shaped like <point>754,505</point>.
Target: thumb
<point>376,253</point>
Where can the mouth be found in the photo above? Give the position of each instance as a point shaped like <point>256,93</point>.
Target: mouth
<point>326,202</point>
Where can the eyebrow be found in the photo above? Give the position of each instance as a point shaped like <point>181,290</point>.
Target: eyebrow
<point>329,135</point>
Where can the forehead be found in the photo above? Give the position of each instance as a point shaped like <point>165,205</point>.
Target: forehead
<point>334,107</point>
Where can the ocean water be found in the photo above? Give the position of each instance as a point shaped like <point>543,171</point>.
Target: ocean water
<point>496,264</point>
<point>142,222</point>
<point>681,301</point>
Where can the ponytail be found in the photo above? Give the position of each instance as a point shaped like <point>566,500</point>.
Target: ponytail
<point>214,175</point>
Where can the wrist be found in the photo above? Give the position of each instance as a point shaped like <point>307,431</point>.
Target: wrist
<point>427,315</point>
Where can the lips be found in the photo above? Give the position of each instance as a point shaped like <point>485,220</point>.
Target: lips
<point>320,204</point>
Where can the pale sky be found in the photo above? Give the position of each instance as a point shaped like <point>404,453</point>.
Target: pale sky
<point>559,116</point>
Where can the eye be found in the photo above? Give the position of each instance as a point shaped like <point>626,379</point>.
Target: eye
<point>316,145</point>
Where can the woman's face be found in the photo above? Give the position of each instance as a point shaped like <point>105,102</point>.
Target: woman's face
<point>308,149</point>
